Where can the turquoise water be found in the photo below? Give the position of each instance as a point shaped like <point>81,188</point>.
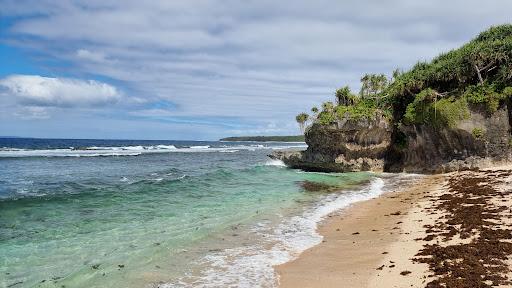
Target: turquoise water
<point>157,219</point>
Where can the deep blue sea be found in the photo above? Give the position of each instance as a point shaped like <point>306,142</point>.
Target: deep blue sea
<point>131,213</point>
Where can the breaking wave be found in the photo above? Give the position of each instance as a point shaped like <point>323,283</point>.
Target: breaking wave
<point>97,151</point>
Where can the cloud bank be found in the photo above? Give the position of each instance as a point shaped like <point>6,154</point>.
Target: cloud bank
<point>259,62</point>
<point>33,90</point>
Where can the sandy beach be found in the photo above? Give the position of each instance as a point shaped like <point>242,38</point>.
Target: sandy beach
<point>448,230</point>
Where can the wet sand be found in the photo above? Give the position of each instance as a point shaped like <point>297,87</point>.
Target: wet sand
<point>395,240</point>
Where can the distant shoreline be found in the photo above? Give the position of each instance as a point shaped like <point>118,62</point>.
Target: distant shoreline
<point>294,138</point>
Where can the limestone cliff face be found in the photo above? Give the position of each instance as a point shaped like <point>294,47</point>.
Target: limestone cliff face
<point>347,145</point>
<point>478,142</point>
<point>375,145</point>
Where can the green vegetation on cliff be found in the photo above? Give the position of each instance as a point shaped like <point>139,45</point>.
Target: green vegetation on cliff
<point>438,113</point>
<point>478,74</point>
<point>439,93</point>
<point>368,103</point>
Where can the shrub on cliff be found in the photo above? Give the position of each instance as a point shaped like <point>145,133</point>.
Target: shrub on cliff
<point>488,95</point>
<point>480,71</point>
<point>437,93</point>
<point>445,112</point>
<point>351,106</point>
<point>345,97</point>
<point>326,117</point>
<point>363,109</point>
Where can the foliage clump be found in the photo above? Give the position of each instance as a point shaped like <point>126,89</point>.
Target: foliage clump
<point>487,95</point>
<point>480,71</point>
<point>439,93</point>
<point>365,105</point>
<point>363,109</point>
<point>444,112</point>
<point>478,133</point>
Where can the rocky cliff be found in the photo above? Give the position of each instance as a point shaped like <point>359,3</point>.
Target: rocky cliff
<point>346,145</point>
<point>451,113</point>
<point>479,141</point>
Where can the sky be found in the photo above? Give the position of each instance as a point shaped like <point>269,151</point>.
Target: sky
<point>205,69</point>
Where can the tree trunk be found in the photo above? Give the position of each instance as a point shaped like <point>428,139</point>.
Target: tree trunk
<point>479,75</point>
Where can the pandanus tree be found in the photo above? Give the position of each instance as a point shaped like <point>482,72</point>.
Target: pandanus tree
<point>365,86</point>
<point>372,86</point>
<point>345,97</point>
<point>328,107</point>
<point>302,118</point>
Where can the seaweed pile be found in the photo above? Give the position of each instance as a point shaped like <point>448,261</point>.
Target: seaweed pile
<point>473,243</point>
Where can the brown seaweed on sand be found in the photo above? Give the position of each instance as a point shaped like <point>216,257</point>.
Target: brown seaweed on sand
<point>472,215</point>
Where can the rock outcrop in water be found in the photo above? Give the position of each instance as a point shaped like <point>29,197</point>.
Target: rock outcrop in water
<point>347,145</point>
<point>366,145</point>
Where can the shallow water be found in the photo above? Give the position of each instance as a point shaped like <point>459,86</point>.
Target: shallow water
<point>204,214</point>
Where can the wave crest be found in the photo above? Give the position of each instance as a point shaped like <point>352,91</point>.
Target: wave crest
<point>98,151</point>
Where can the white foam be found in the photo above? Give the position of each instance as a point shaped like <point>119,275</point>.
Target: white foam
<point>134,148</point>
<point>275,162</point>
<point>200,147</point>
<point>300,233</point>
<point>170,147</point>
<point>65,153</point>
<point>253,265</point>
<point>95,151</point>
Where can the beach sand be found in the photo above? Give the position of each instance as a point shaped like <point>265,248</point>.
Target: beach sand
<point>373,243</point>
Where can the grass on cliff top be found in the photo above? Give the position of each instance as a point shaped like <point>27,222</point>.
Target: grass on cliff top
<point>365,109</point>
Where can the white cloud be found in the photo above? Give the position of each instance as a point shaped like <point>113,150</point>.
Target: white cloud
<point>38,91</point>
<point>257,60</point>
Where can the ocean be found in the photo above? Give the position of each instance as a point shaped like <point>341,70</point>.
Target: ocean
<point>128,213</point>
